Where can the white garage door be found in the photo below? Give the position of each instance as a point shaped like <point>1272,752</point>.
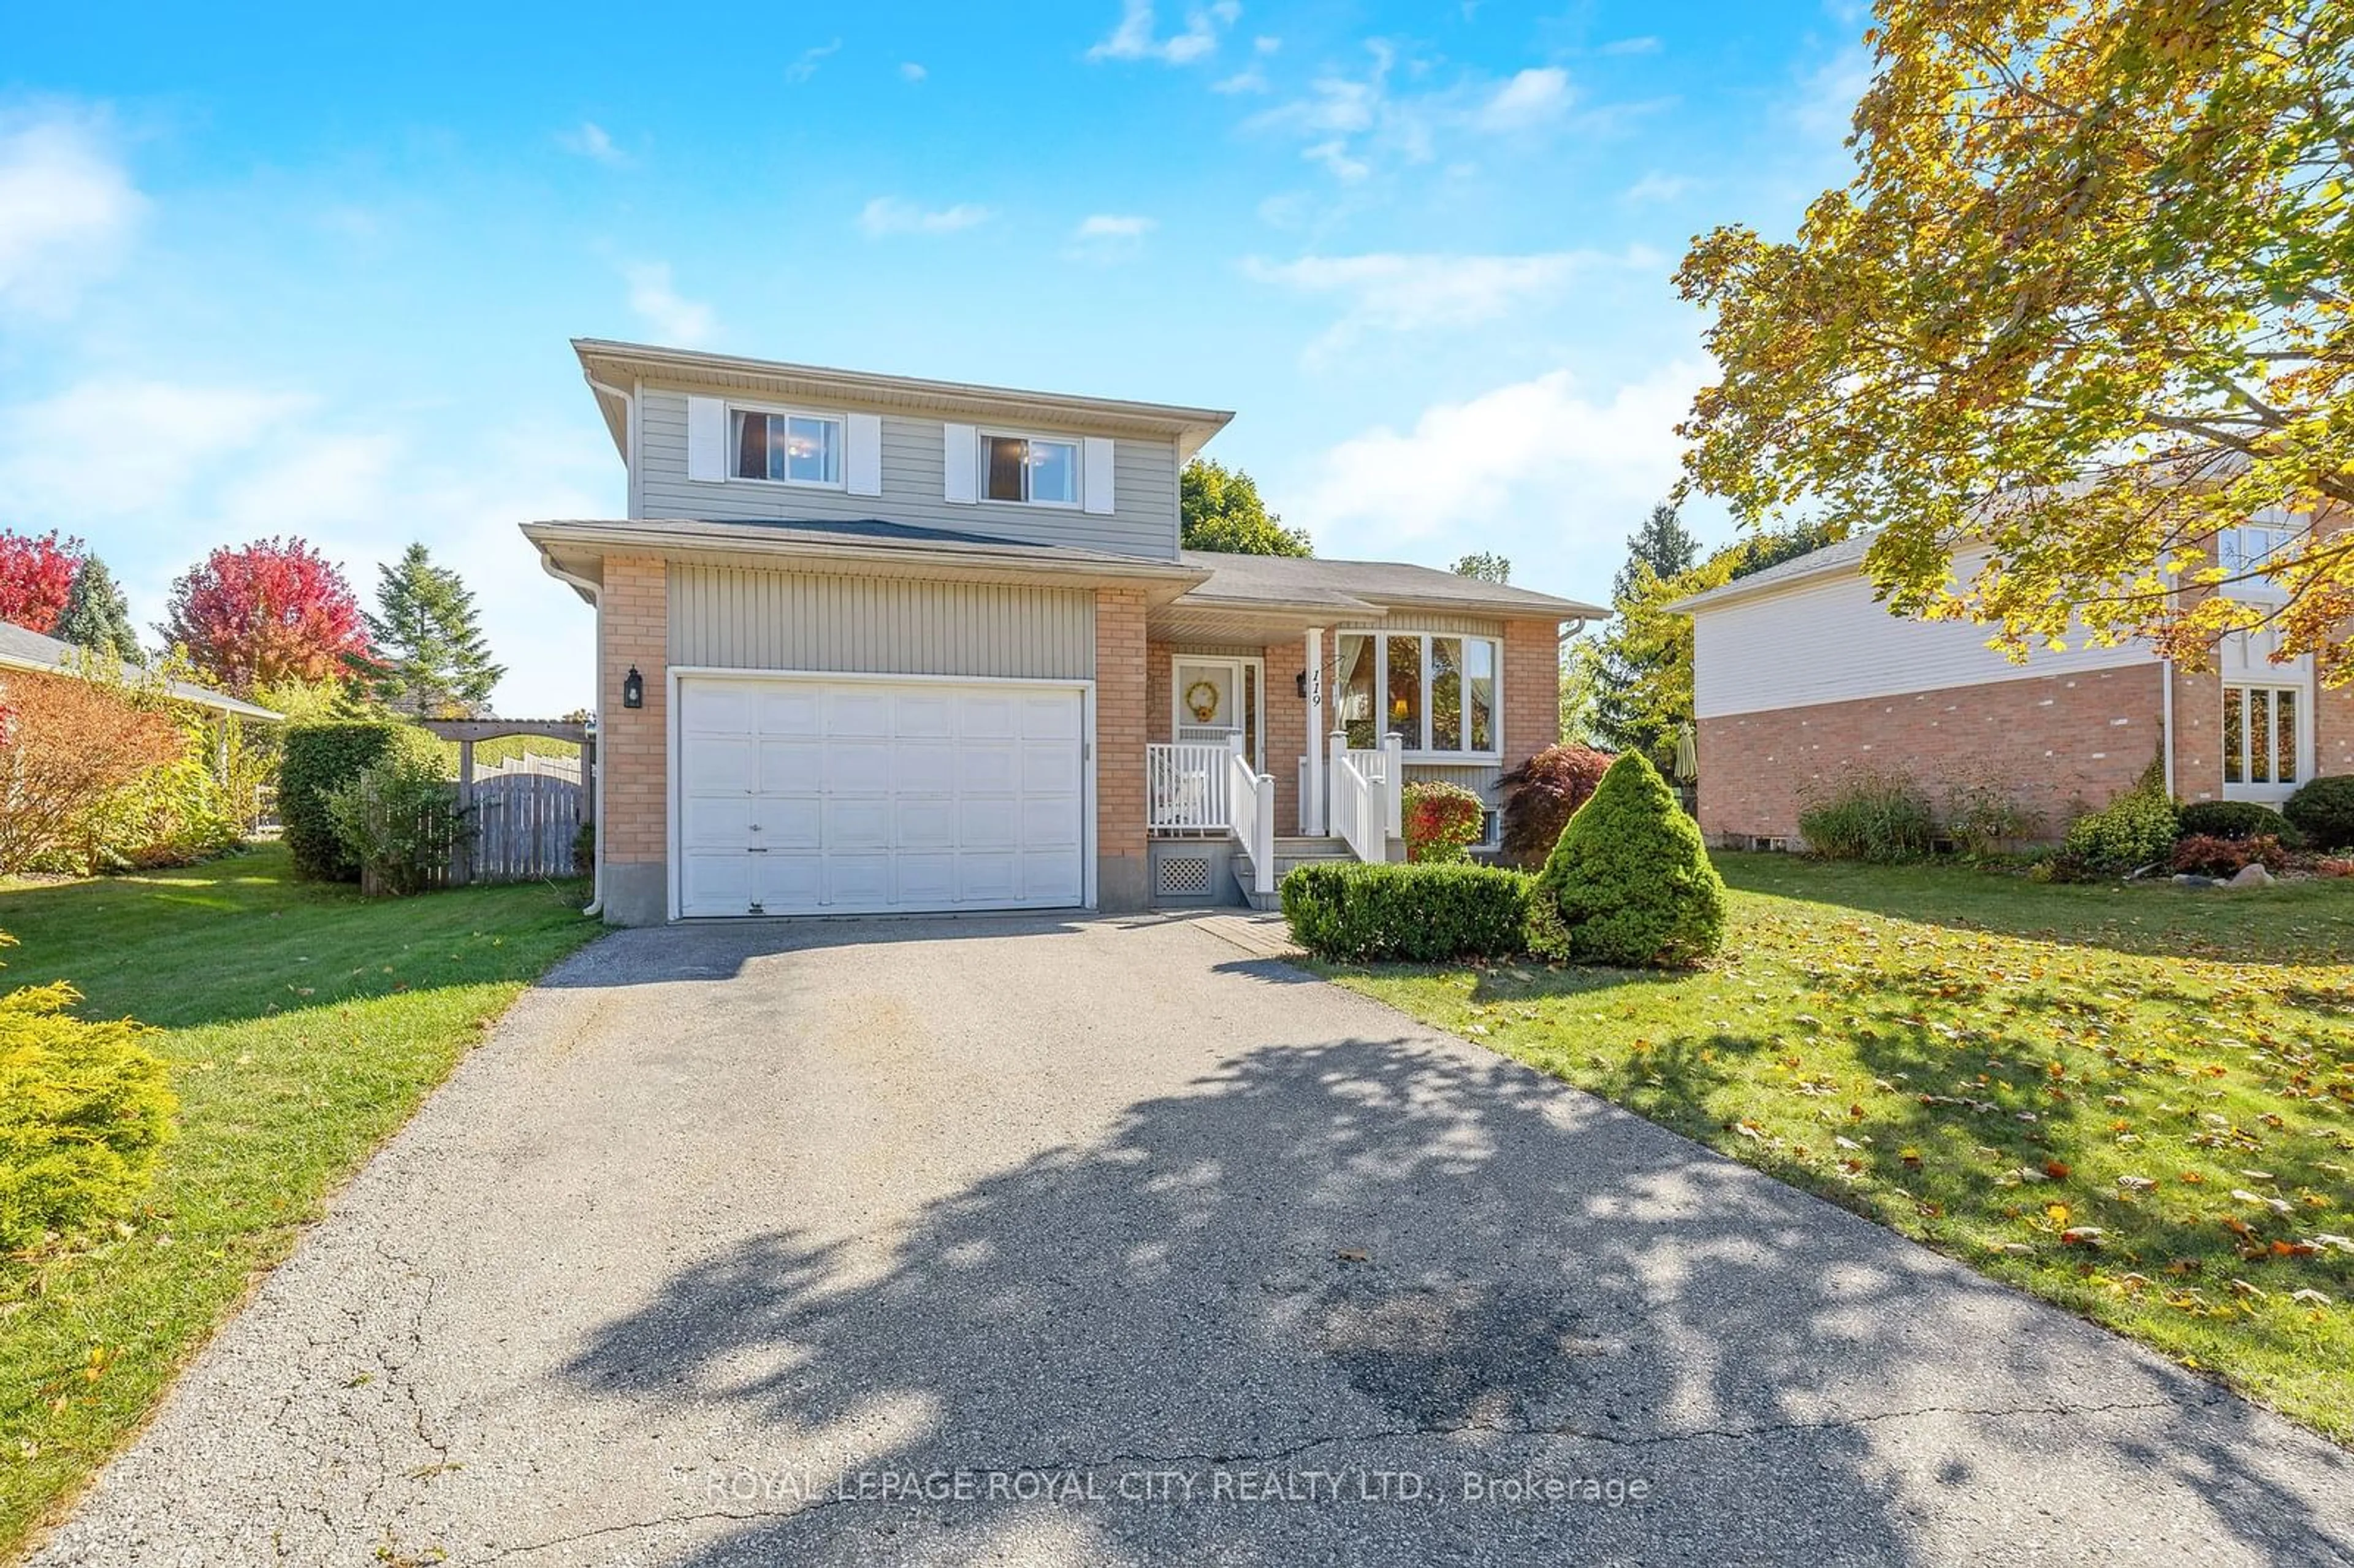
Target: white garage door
<point>810,795</point>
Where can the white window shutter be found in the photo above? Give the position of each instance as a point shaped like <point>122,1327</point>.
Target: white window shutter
<point>706,438</point>
<point>1095,468</point>
<point>960,452</point>
<point>863,466</point>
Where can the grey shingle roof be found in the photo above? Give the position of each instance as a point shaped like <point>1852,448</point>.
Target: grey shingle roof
<point>26,650</point>
<point>1357,585</point>
<point>1843,555</point>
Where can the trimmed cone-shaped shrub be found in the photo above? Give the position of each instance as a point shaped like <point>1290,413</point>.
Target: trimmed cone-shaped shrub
<point>1631,876</point>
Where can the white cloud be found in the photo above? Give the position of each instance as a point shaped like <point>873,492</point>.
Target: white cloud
<point>910,71</point>
<point>1252,78</point>
<point>1390,291</point>
<point>892,215</point>
<point>1656,186</point>
<point>129,449</point>
<point>1531,97</point>
<point>67,211</point>
<point>1644,44</point>
<point>1110,236</point>
<point>593,141</point>
<point>681,321</point>
<point>1133,37</point>
<point>1537,469</point>
<point>1354,125</point>
<point>805,66</point>
<point>1115,226</point>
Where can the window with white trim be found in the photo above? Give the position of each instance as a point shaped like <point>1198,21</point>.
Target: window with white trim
<point>785,448</point>
<point>2259,734</point>
<point>1039,469</point>
<point>1435,690</point>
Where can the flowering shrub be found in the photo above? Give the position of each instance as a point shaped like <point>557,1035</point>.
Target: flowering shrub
<point>1540,795</point>
<point>1439,819</point>
<point>2204,855</point>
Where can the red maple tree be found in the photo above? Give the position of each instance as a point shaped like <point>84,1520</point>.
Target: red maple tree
<point>272,610</point>
<point>36,573</point>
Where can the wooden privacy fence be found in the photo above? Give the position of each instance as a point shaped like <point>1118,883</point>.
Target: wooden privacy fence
<point>523,828</point>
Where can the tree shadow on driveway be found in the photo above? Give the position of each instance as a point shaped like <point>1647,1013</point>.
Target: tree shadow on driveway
<point>1326,1268</point>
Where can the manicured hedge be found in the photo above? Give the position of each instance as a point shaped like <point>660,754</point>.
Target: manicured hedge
<point>2324,811</point>
<point>2234,819</point>
<point>319,758</point>
<point>1424,913</point>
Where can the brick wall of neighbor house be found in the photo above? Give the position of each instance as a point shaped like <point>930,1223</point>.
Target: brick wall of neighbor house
<point>631,743</point>
<point>1532,689</point>
<point>2198,734</point>
<point>2048,742</point>
<point>1121,675</point>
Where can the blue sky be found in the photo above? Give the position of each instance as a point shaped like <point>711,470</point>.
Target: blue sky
<point>315,271</point>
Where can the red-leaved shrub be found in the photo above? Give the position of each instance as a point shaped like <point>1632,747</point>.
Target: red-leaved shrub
<point>1540,795</point>
<point>1439,819</point>
<point>2204,855</point>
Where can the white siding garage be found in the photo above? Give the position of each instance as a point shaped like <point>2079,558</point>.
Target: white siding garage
<point>818,795</point>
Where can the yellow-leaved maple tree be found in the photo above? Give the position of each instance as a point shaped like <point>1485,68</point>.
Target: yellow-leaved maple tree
<point>2084,305</point>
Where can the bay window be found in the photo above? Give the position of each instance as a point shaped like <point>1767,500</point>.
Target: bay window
<point>1436,690</point>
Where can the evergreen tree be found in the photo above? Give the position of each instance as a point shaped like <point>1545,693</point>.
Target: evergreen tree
<point>430,656</point>
<point>96,615</point>
<point>1662,544</point>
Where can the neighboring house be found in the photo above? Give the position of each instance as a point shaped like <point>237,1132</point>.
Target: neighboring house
<point>872,645</point>
<point>1801,678</point>
<point>23,650</point>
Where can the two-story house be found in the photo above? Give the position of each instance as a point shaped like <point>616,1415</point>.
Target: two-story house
<point>867,643</point>
<point>1801,677</point>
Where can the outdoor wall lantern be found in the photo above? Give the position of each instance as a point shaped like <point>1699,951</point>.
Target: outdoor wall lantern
<point>1299,684</point>
<point>634,689</point>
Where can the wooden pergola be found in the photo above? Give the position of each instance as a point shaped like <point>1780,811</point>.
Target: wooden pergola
<point>466,732</point>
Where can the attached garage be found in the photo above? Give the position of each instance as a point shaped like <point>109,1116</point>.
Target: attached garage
<point>832,794</point>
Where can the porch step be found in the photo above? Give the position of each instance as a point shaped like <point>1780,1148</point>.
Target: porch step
<point>1291,851</point>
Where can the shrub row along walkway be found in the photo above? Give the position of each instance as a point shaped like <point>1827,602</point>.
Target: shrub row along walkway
<point>1148,1251</point>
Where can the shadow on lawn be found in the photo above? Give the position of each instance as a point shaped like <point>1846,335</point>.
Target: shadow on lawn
<point>1546,1283</point>
<point>2298,923</point>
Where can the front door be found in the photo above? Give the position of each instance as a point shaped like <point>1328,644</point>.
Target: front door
<point>1216,699</point>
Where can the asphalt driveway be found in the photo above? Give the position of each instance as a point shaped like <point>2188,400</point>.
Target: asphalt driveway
<point>1022,1240</point>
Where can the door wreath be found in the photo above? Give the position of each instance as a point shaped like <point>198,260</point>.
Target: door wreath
<point>1202,701</point>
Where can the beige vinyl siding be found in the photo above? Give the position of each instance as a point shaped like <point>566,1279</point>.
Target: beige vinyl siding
<point>1829,640</point>
<point>1144,476</point>
<point>735,617</point>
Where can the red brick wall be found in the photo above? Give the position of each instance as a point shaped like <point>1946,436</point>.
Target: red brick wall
<point>1287,723</point>
<point>632,743</point>
<point>1121,880</point>
<point>2048,742</point>
<point>1532,689</point>
<point>2198,734</point>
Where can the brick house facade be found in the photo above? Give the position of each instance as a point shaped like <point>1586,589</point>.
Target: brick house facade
<point>1803,680</point>
<point>877,670</point>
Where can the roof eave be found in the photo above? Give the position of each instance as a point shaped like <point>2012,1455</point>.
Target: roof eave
<point>1190,428</point>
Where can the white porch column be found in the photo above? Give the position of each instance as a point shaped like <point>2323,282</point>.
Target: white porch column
<point>1312,791</point>
<point>1393,783</point>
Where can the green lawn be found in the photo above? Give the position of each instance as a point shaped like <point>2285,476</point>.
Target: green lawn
<point>303,1025</point>
<point>2136,1102</point>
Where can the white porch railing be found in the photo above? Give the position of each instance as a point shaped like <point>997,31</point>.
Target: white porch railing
<point>1368,795</point>
<point>1186,786</point>
<point>1253,794</point>
<point>1206,734</point>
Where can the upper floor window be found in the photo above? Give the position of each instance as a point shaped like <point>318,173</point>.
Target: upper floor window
<point>2249,546</point>
<point>793,449</point>
<point>1435,690</point>
<point>1030,468</point>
